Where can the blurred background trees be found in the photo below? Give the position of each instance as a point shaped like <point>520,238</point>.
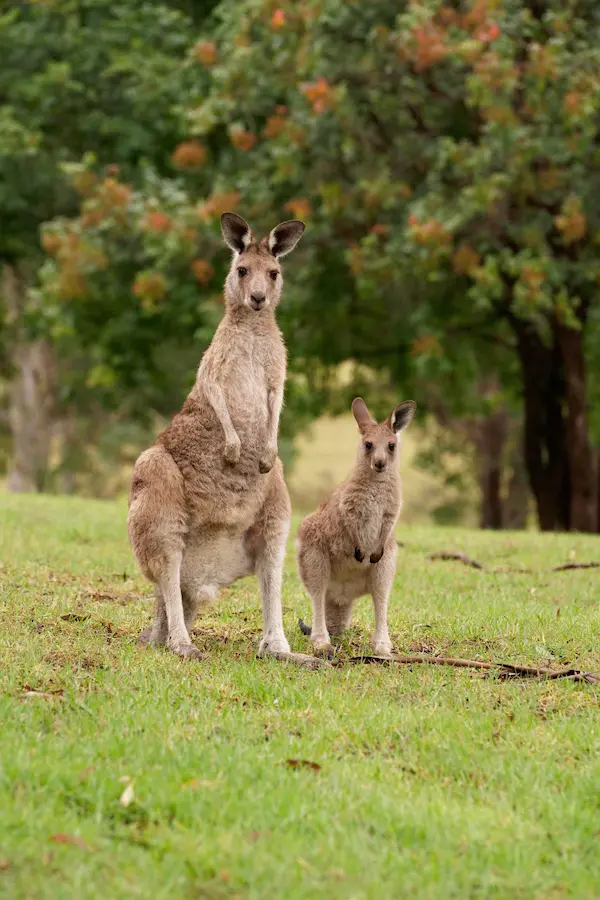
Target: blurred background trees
<point>445,158</point>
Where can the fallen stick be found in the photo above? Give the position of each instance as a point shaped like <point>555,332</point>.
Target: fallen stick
<point>451,555</point>
<point>505,669</point>
<point>459,557</point>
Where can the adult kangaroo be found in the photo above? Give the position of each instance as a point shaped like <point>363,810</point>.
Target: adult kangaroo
<point>208,501</point>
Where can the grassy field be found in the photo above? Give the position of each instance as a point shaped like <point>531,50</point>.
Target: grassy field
<point>128,773</point>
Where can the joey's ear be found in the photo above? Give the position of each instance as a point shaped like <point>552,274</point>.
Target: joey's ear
<point>236,232</point>
<point>285,236</point>
<point>361,414</point>
<point>401,417</point>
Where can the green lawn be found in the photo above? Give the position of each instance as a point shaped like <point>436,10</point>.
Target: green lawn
<point>433,782</point>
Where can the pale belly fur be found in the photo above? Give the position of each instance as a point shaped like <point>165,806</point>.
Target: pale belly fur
<point>349,580</point>
<point>214,558</point>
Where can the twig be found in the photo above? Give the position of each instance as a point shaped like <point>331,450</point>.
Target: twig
<point>459,557</point>
<point>505,669</point>
<point>467,561</point>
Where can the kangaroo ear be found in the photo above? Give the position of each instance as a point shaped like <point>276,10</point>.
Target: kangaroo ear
<point>401,417</point>
<point>361,414</point>
<point>236,232</point>
<point>285,236</point>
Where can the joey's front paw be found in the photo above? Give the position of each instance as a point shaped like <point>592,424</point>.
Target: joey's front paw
<point>375,557</point>
<point>231,454</point>
<point>267,461</point>
<point>358,554</point>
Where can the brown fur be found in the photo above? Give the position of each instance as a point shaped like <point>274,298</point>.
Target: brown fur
<point>347,548</point>
<point>208,501</point>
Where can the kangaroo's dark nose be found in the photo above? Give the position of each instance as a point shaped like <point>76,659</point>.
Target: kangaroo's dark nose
<point>258,300</point>
<point>379,464</point>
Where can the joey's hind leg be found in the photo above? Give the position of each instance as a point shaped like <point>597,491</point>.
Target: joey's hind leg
<point>315,570</point>
<point>338,615</point>
<point>156,634</point>
<point>194,596</point>
<point>381,578</point>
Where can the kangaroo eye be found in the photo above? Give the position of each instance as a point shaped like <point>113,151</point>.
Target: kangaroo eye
<point>273,274</point>
<point>391,447</point>
<point>368,445</point>
<point>242,271</point>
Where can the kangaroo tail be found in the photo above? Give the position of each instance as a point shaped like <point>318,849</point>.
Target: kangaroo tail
<point>304,628</point>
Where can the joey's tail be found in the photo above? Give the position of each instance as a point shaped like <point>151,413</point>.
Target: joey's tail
<point>304,628</point>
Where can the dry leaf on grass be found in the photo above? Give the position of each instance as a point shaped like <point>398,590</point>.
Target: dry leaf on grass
<point>303,763</point>
<point>69,839</point>
<point>195,783</point>
<point>127,797</point>
<point>34,693</point>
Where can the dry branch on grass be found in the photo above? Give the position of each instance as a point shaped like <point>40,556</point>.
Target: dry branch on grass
<point>459,557</point>
<point>505,670</point>
<point>446,555</point>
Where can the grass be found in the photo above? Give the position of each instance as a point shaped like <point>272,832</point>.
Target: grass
<point>433,782</point>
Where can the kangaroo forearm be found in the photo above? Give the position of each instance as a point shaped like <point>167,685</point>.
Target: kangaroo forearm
<point>215,396</point>
<point>274,403</point>
<point>387,527</point>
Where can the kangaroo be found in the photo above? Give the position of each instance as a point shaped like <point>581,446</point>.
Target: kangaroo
<point>208,501</point>
<point>347,547</point>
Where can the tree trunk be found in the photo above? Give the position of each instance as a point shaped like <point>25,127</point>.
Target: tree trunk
<point>31,394</point>
<point>545,433</point>
<point>490,440</point>
<point>582,461</point>
<point>516,506</point>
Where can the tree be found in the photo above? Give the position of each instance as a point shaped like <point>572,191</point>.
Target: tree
<point>75,78</point>
<point>447,158</point>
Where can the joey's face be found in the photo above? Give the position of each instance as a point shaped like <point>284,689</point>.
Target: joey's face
<point>379,443</point>
<point>379,446</point>
<point>255,280</point>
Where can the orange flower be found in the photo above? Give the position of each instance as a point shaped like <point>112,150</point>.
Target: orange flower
<point>488,33</point>
<point>319,93</point>
<point>92,217</point>
<point>114,193</point>
<point>429,232</point>
<point>379,228</point>
<point>572,222</point>
<point>158,222</point>
<point>150,287</point>
<point>205,52</point>
<point>189,155</point>
<point>430,47</point>
<point>240,138</point>
<point>217,204</point>
<point>278,19</point>
<point>84,183</point>
<point>300,208</point>
<point>51,242</point>
<point>202,270</point>
<point>465,260</point>
<point>273,127</point>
